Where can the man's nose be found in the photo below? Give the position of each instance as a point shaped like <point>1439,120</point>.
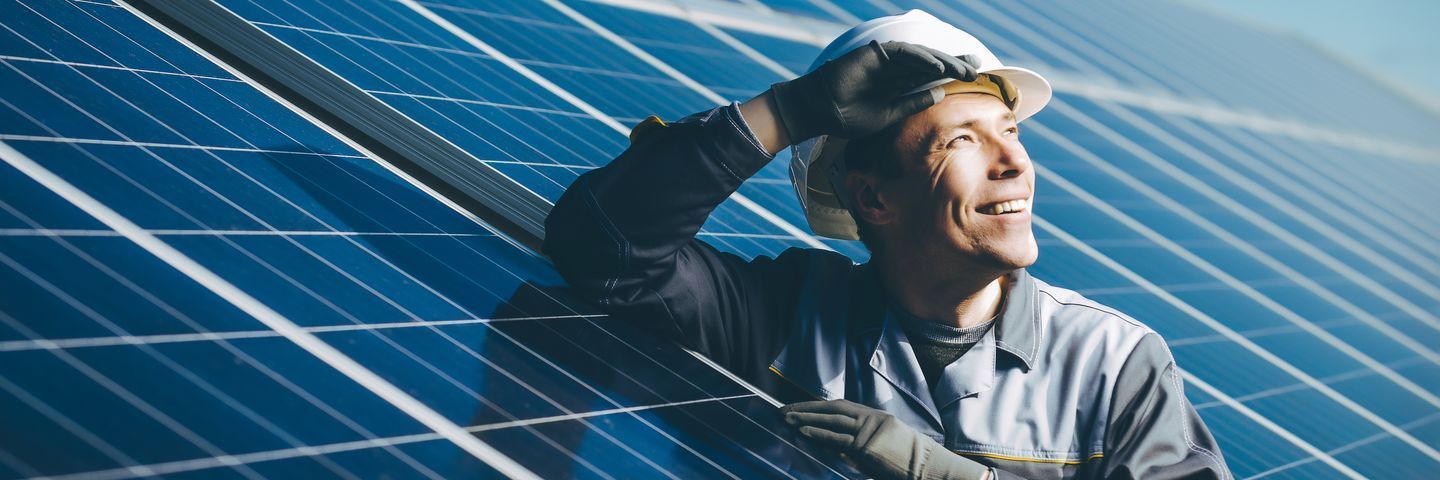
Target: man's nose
<point>1010,160</point>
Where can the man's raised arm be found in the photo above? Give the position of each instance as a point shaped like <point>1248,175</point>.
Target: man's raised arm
<point>623,235</point>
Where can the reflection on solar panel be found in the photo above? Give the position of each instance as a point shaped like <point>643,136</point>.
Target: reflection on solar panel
<point>294,243</point>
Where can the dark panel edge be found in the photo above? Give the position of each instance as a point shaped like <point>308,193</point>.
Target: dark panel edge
<point>389,134</point>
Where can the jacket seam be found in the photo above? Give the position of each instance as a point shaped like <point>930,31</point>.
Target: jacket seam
<point>671,316</point>
<point>728,170</point>
<point>1034,323</point>
<point>621,246</point>
<point>1185,424</point>
<point>745,133</point>
<point>1122,317</point>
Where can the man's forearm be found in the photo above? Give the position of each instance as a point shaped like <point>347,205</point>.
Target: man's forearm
<point>764,119</point>
<point>617,224</point>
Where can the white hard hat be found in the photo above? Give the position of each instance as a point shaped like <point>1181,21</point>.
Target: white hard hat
<point>817,165</point>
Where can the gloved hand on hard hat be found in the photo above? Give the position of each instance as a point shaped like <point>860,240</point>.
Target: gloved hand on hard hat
<point>859,93</point>
<point>880,444</point>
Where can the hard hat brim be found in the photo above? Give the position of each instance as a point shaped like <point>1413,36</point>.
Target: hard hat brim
<point>1033,90</point>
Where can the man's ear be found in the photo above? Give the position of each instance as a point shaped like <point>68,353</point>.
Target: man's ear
<point>867,200</point>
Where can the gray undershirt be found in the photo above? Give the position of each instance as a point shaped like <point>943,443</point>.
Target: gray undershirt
<point>938,345</point>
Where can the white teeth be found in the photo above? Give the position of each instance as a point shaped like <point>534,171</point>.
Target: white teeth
<point>1009,207</point>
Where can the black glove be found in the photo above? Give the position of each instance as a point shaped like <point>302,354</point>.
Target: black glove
<point>879,444</point>
<point>859,93</point>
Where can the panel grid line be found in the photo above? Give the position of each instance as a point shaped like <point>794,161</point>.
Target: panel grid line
<point>1242,341</point>
<point>1209,268</point>
<point>521,472</point>
<point>264,313</point>
<point>13,58</point>
<point>211,336</point>
<point>123,143</point>
<point>585,106</point>
<point>1246,289</point>
<point>1068,82</point>
<point>182,466</point>
<point>1257,220</point>
<point>458,123</point>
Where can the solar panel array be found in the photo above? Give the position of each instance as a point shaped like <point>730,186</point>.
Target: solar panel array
<point>207,273</point>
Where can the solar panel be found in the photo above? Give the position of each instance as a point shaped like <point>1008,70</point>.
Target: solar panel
<point>464,87</point>
<point>200,279</point>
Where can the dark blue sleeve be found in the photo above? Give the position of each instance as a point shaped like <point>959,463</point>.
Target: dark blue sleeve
<point>623,237</point>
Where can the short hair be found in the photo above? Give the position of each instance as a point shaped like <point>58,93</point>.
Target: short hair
<point>873,154</point>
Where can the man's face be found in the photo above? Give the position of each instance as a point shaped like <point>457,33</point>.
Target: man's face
<point>966,188</point>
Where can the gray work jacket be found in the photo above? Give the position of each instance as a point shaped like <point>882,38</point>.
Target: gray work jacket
<point>1061,387</point>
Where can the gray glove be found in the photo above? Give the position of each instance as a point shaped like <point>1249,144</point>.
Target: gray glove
<point>859,93</point>
<point>879,444</point>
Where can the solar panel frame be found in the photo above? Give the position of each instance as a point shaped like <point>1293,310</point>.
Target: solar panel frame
<point>387,129</point>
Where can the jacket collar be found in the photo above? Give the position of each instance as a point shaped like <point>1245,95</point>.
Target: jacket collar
<point>1016,333</point>
<point>812,362</point>
<point>894,360</point>
<point>1018,330</point>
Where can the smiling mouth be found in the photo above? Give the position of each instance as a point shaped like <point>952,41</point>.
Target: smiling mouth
<point>1005,208</point>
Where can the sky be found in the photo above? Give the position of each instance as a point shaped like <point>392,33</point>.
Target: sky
<point>1403,36</point>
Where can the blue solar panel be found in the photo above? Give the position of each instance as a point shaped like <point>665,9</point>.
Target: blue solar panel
<point>118,362</point>
<point>397,54</point>
<point>793,55</point>
<point>1200,175</point>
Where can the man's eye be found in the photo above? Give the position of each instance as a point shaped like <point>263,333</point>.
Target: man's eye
<point>1012,131</point>
<point>962,138</point>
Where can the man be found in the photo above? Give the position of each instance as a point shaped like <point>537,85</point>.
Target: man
<point>941,357</point>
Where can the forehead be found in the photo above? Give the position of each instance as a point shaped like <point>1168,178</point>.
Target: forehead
<point>921,133</point>
<point>966,108</point>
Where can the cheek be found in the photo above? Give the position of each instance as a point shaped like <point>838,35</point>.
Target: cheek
<point>954,195</point>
